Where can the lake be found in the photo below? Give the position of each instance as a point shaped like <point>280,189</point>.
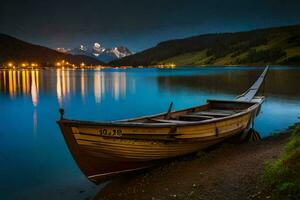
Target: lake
<point>35,162</point>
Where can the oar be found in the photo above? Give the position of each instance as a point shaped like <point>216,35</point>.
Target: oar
<point>169,111</point>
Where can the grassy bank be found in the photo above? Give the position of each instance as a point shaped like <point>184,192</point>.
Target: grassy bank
<point>283,175</point>
<point>279,46</point>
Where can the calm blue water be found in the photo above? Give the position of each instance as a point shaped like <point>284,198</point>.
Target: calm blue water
<point>35,162</point>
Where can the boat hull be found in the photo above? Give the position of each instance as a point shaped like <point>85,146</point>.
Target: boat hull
<point>103,156</point>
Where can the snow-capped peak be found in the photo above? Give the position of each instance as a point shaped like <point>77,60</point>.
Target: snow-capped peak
<point>97,49</point>
<point>82,47</point>
<point>102,53</point>
<point>120,52</point>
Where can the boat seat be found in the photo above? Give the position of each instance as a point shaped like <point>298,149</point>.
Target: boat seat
<point>170,121</point>
<point>208,113</point>
<point>198,116</point>
<point>224,111</point>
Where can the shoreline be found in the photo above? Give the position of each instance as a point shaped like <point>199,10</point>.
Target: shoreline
<point>142,67</point>
<point>230,171</point>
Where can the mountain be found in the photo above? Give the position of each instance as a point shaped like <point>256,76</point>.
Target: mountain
<point>99,52</point>
<point>280,45</point>
<point>15,50</point>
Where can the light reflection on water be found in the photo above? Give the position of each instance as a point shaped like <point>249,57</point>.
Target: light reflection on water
<point>32,149</point>
<point>68,82</point>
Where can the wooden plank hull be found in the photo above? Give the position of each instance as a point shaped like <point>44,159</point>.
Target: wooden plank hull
<point>101,156</point>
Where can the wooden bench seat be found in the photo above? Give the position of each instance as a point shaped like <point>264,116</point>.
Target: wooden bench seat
<point>209,113</point>
<point>197,116</point>
<point>169,121</point>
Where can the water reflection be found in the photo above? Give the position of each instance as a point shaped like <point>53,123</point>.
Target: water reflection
<point>64,83</point>
<point>83,88</point>
<point>16,82</point>
<point>119,88</point>
<point>34,96</point>
<point>20,82</point>
<point>58,88</point>
<point>99,86</point>
<point>280,82</point>
<point>34,87</point>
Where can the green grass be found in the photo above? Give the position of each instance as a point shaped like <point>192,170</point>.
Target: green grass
<point>279,41</point>
<point>198,57</point>
<point>283,175</point>
<point>294,51</point>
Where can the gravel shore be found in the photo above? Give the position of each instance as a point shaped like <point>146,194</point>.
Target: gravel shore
<point>230,171</point>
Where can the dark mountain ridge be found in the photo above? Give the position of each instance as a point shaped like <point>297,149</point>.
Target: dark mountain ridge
<point>15,50</point>
<point>271,46</point>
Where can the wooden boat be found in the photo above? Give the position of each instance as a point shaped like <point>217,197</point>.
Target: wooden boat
<point>103,150</point>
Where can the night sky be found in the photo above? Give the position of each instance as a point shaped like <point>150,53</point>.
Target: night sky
<point>137,24</point>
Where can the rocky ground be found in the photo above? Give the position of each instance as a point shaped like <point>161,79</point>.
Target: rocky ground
<point>230,171</point>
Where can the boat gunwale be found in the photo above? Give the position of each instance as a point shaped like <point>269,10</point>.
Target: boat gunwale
<point>130,123</point>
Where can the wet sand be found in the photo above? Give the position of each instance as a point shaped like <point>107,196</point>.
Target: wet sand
<point>230,171</point>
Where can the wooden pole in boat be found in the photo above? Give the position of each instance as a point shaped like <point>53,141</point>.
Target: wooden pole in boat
<point>169,111</point>
<point>62,112</point>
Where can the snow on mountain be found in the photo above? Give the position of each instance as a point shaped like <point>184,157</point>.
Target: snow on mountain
<point>81,50</point>
<point>98,49</point>
<point>121,51</point>
<point>101,53</point>
<point>63,50</point>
